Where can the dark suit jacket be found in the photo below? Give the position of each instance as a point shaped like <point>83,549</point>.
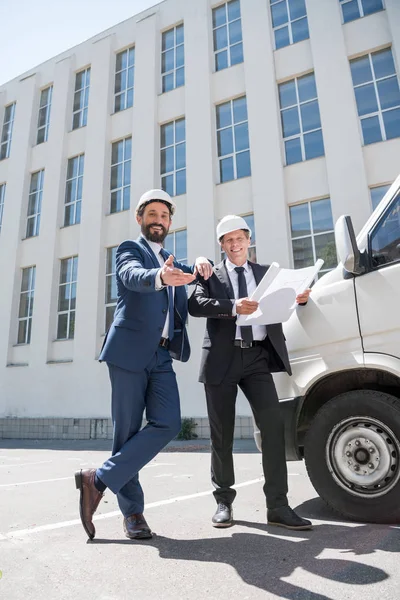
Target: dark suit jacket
<point>213,299</point>
<point>141,311</point>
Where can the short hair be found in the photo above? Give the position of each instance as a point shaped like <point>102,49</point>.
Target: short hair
<point>246,232</point>
<point>140,210</point>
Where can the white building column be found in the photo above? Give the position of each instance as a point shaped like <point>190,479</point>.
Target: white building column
<point>393,14</point>
<point>14,218</point>
<point>47,271</point>
<point>200,125</point>
<point>95,193</point>
<point>145,130</point>
<point>270,210</point>
<point>200,182</point>
<point>95,202</point>
<point>340,123</point>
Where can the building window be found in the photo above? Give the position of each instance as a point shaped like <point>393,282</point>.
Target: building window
<point>67,298</point>
<point>233,140</point>
<point>377,194</point>
<point>111,285</point>
<point>35,204</point>
<point>73,190</point>
<point>301,123</point>
<point>376,88</point>
<point>312,234</point>
<point>252,253</point>
<point>26,305</point>
<point>173,59</point>
<point>289,21</point>
<point>176,243</point>
<point>227,34</point>
<point>173,157</point>
<point>120,183</point>
<point>81,99</point>
<point>44,115</point>
<point>354,9</point>
<point>124,79</point>
<point>6,134</point>
<point>2,196</point>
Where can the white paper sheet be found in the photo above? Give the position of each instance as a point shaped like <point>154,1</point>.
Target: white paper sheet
<point>276,294</point>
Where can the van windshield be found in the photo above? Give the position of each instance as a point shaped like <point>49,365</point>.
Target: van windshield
<point>385,239</point>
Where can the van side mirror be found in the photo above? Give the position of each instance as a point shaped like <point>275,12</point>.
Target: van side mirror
<point>346,246</point>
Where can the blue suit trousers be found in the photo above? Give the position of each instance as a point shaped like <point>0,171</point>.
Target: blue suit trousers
<point>153,391</point>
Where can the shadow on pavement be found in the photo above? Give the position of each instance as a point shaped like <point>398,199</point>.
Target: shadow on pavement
<point>316,508</point>
<point>264,561</point>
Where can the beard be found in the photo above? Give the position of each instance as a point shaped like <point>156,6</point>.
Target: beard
<point>155,236</point>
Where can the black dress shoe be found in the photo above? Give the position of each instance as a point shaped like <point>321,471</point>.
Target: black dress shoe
<point>223,515</point>
<point>136,528</point>
<point>284,516</point>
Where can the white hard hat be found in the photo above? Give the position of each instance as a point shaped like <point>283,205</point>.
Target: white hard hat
<point>154,195</point>
<point>231,223</point>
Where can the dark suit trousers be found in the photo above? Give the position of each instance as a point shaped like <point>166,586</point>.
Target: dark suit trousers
<point>249,371</point>
<point>154,392</point>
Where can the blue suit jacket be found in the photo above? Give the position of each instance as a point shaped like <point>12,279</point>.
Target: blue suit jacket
<point>141,311</point>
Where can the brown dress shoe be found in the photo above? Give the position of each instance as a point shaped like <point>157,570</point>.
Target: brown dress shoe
<point>136,528</point>
<point>89,499</point>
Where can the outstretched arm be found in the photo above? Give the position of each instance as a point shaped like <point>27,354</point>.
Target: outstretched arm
<point>135,277</point>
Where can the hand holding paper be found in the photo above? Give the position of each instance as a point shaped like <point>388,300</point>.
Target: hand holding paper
<point>276,294</point>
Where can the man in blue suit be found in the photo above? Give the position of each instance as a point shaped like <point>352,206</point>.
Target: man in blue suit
<point>147,332</point>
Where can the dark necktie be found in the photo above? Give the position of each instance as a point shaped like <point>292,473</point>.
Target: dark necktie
<point>247,331</point>
<point>165,255</point>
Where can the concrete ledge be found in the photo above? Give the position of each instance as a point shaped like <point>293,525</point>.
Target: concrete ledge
<point>93,429</point>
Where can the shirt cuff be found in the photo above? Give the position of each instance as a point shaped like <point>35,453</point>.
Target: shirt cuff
<point>234,313</point>
<point>158,283</point>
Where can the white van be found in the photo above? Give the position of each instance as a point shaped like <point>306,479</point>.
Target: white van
<point>342,405</point>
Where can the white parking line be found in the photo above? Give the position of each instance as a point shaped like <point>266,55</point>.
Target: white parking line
<point>4,485</point>
<point>116,513</point>
<point>40,462</point>
<point>151,466</point>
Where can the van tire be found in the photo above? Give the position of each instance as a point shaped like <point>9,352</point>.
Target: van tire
<point>347,435</point>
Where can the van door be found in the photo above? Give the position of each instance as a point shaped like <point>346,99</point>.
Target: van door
<point>378,290</point>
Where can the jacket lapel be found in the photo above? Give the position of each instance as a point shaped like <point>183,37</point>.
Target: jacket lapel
<point>222,274</point>
<point>258,271</point>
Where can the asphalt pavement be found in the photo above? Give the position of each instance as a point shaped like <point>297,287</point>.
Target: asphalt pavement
<point>45,554</point>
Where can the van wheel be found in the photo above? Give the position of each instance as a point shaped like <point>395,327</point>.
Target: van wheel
<point>352,454</point>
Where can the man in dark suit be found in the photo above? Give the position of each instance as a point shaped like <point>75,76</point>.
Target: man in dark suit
<point>242,356</point>
<point>147,332</point>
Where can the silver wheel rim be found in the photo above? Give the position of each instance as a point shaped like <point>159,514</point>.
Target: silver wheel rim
<point>363,456</point>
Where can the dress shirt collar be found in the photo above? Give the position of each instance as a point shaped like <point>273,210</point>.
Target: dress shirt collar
<point>155,246</point>
<point>230,266</point>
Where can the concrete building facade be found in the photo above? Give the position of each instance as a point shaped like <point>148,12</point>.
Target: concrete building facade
<point>284,111</point>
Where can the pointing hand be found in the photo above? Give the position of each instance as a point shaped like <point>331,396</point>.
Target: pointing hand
<point>172,276</point>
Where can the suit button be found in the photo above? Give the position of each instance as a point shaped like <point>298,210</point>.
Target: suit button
<point>160,329</point>
<point>164,310</point>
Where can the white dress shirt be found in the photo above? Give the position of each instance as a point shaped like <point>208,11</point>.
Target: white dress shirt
<point>259,331</point>
<point>156,247</point>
